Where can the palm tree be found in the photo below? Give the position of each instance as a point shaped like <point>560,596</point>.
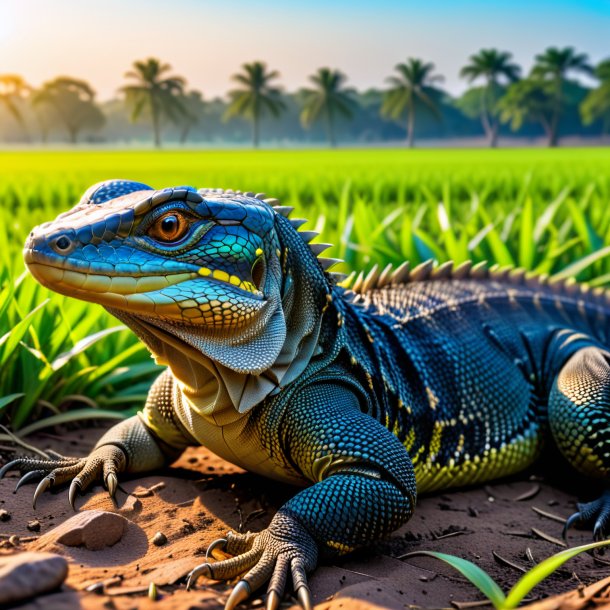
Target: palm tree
<point>490,65</point>
<point>73,101</point>
<point>554,65</point>
<point>255,97</point>
<point>194,109</point>
<point>413,87</point>
<point>329,99</point>
<point>596,106</point>
<point>155,92</point>
<point>528,100</point>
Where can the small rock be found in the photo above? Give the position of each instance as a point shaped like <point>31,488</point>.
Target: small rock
<point>28,574</point>
<point>159,539</point>
<point>5,515</point>
<point>96,587</point>
<point>131,506</point>
<point>94,529</point>
<point>34,526</point>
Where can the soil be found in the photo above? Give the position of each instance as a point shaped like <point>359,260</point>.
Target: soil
<point>196,500</point>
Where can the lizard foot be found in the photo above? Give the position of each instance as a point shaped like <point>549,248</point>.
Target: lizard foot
<point>105,461</point>
<point>596,513</point>
<point>285,547</point>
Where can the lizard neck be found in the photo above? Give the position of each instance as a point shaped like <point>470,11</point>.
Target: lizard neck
<point>215,390</point>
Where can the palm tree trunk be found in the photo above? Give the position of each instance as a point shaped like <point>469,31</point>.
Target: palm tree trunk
<point>330,129</point>
<point>485,119</point>
<point>154,110</point>
<point>255,131</point>
<point>493,134</point>
<point>410,126</point>
<point>554,128</point>
<point>554,123</point>
<point>548,129</point>
<point>184,134</point>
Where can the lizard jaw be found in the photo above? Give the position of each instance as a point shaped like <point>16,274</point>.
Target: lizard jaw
<point>158,295</point>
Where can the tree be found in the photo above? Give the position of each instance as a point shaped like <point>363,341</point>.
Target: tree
<point>329,99</point>
<point>13,91</point>
<point>528,100</point>
<point>492,66</point>
<point>412,88</point>
<point>73,103</point>
<point>596,106</point>
<point>553,66</point>
<point>154,92</point>
<point>194,109</point>
<point>255,97</point>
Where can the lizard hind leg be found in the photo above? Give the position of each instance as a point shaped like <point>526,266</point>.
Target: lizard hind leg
<point>579,417</point>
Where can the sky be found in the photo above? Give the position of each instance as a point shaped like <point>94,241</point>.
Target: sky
<point>207,40</point>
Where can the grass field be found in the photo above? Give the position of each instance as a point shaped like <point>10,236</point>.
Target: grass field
<point>546,210</point>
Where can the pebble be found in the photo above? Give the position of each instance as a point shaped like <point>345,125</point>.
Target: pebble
<point>159,539</point>
<point>5,515</point>
<point>93,529</point>
<point>28,574</point>
<point>34,526</point>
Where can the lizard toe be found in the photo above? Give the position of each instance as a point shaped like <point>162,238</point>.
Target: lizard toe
<point>26,465</point>
<point>595,514</point>
<point>107,460</point>
<point>299,582</point>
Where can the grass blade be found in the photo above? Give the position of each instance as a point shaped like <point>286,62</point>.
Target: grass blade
<point>545,568</point>
<point>478,577</point>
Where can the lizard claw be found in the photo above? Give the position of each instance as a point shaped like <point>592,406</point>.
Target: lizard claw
<point>220,543</point>
<point>111,484</point>
<point>28,476</point>
<point>304,597</point>
<point>572,519</point>
<point>74,488</point>
<point>273,601</point>
<point>241,592</point>
<point>42,487</point>
<point>204,569</point>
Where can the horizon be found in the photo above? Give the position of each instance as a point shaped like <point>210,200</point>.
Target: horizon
<point>393,31</point>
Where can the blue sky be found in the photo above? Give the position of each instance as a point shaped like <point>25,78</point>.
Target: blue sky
<point>207,40</point>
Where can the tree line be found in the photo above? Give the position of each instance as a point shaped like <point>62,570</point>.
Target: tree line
<point>499,96</point>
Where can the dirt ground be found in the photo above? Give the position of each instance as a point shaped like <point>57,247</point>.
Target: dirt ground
<point>201,496</point>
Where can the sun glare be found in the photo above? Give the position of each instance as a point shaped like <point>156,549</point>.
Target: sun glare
<point>7,20</point>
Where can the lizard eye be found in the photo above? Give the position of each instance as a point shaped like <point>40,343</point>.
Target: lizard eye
<point>169,228</point>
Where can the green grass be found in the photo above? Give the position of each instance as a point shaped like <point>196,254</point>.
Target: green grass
<point>546,210</point>
<point>533,577</point>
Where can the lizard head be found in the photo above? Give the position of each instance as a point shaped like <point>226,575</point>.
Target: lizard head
<point>213,268</point>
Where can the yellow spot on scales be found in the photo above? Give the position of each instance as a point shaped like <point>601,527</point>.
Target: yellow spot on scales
<point>223,276</point>
<point>432,475</point>
<point>259,252</point>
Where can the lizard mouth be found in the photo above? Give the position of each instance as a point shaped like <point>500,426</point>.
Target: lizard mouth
<point>210,298</point>
<point>54,276</point>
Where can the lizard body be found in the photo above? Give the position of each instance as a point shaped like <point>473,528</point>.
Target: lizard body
<point>408,381</point>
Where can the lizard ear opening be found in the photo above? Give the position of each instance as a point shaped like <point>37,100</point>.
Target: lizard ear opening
<point>259,272</point>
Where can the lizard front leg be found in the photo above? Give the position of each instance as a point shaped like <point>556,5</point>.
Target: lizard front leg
<point>579,417</point>
<point>144,442</point>
<point>364,489</point>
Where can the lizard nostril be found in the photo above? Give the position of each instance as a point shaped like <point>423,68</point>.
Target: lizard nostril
<point>62,244</point>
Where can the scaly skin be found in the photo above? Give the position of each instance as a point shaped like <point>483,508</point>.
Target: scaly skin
<point>408,381</point>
